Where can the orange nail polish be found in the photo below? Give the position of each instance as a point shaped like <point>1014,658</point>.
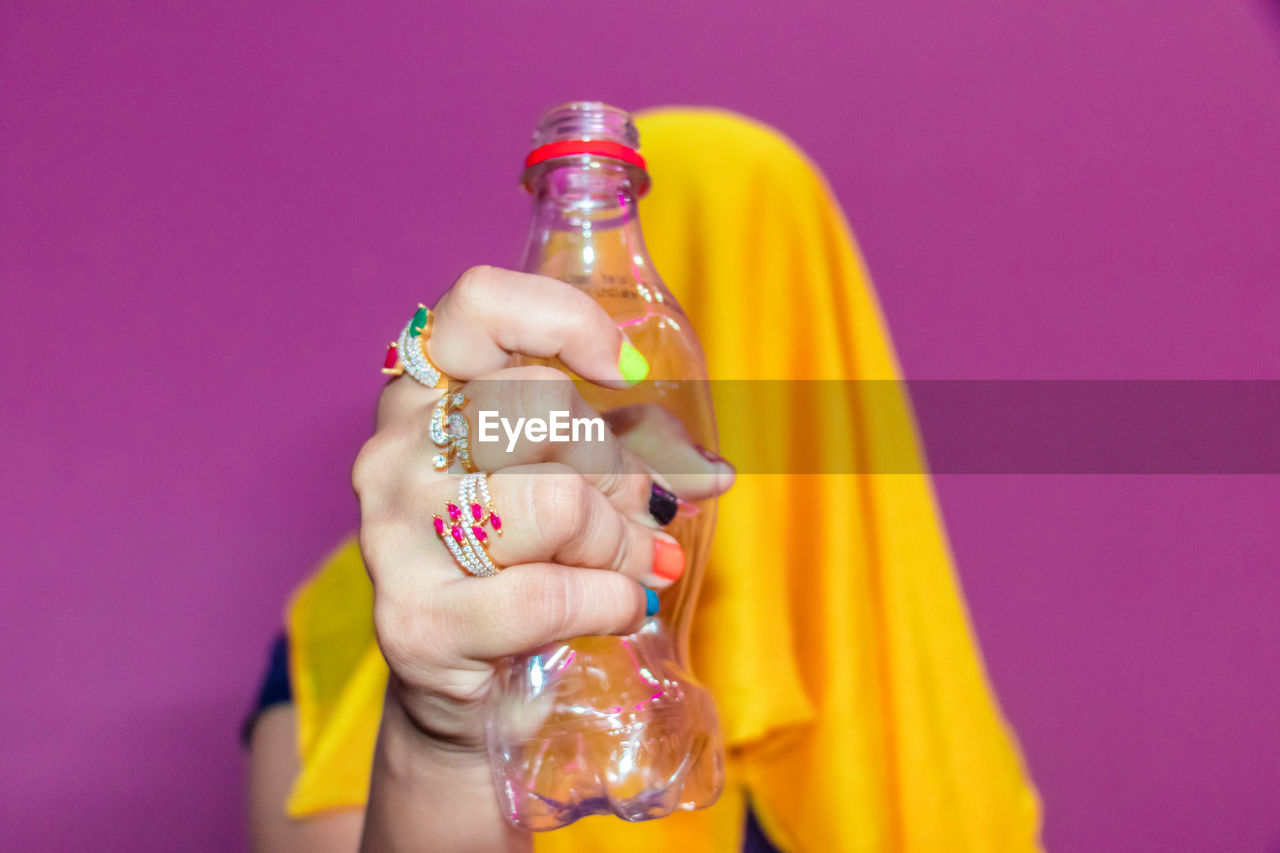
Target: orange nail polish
<point>668,559</point>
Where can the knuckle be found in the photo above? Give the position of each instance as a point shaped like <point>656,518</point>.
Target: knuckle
<point>620,560</point>
<point>541,373</point>
<point>547,597</point>
<point>369,464</point>
<point>563,396</point>
<point>627,486</point>
<point>562,503</point>
<point>631,552</point>
<point>581,310</point>
<point>365,470</point>
<point>474,287</point>
<point>374,536</point>
<point>382,457</point>
<point>414,635</point>
<point>545,390</point>
<point>392,624</point>
<point>555,597</point>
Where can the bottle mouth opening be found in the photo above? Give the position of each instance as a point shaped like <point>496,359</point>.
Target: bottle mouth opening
<point>585,120</point>
<point>586,129</point>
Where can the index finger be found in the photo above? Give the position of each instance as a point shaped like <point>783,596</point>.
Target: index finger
<point>491,314</point>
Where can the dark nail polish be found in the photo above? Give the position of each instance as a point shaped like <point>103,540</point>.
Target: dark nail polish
<point>662,505</point>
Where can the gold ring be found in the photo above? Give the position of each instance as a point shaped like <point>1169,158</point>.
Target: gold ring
<point>408,354</point>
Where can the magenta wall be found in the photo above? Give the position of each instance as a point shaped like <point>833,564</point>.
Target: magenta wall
<point>212,221</point>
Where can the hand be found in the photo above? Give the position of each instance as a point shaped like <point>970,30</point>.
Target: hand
<point>579,540</point>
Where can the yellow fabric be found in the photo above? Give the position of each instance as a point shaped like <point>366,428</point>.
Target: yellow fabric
<point>853,699</point>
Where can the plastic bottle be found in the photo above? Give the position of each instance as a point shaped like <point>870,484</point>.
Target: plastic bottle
<point>612,725</point>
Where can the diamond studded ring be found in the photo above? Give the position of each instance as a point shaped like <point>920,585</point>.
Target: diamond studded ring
<point>462,528</point>
<point>408,354</point>
<point>451,433</point>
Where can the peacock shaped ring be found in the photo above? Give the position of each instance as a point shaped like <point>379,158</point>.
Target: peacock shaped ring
<point>451,433</point>
<point>408,354</point>
<point>462,528</point>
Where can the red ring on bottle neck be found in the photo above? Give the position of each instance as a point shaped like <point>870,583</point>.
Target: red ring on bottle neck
<point>571,147</point>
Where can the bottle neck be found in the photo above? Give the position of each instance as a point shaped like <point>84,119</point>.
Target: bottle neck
<point>585,218</point>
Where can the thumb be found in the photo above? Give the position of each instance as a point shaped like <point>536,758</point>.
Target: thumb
<point>530,605</point>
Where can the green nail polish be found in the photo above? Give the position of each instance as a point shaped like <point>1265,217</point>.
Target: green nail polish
<point>632,364</point>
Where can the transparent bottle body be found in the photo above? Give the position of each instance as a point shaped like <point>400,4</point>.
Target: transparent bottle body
<point>614,725</point>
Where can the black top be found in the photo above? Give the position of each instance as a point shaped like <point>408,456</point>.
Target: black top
<point>275,690</point>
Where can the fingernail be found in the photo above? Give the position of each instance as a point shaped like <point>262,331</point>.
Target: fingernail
<point>650,602</point>
<point>713,457</point>
<point>662,505</point>
<point>631,363</point>
<point>668,559</point>
<point>709,455</point>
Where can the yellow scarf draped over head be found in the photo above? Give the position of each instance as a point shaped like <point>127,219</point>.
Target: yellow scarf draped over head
<point>852,697</point>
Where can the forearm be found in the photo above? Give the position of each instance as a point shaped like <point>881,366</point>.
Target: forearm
<point>425,797</point>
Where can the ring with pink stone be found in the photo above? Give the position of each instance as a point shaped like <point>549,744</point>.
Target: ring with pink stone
<point>462,528</point>
<point>408,353</point>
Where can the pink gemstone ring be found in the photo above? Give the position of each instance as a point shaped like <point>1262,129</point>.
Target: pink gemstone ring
<point>408,354</point>
<point>462,528</point>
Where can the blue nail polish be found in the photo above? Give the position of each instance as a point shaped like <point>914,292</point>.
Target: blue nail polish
<point>650,602</point>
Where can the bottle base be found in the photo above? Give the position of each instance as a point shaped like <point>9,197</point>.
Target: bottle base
<point>695,784</point>
<point>603,725</point>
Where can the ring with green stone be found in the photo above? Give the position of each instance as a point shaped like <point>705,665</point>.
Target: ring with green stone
<point>408,354</point>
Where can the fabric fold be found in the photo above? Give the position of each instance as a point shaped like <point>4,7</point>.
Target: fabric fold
<point>852,696</point>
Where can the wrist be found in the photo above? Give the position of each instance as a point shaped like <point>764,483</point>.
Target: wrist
<point>429,794</point>
<point>421,746</point>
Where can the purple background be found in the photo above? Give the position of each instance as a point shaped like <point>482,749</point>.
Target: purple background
<point>212,221</point>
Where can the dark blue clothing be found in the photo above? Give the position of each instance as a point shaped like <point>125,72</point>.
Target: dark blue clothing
<point>275,690</point>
